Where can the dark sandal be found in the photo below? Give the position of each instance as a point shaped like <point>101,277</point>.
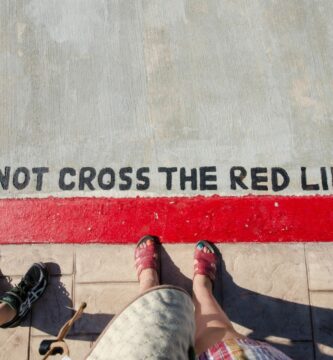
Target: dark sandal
<point>206,262</point>
<point>147,257</point>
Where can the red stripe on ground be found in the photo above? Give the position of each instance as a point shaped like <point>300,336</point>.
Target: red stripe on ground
<point>179,219</point>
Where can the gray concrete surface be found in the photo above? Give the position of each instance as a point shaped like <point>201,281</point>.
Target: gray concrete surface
<point>166,83</point>
<point>278,293</point>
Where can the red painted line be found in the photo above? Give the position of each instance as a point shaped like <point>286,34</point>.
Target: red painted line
<point>178,219</point>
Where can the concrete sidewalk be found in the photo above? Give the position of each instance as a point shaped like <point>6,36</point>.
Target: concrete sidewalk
<point>281,293</point>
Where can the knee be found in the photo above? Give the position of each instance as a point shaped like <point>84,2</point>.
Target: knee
<point>209,337</point>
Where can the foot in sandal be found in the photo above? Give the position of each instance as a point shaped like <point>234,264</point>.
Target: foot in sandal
<point>205,263</point>
<point>147,262</point>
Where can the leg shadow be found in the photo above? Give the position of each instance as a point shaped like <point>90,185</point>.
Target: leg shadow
<point>267,316</point>
<point>171,274</point>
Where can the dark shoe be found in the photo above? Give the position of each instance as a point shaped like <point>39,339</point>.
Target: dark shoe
<point>22,296</point>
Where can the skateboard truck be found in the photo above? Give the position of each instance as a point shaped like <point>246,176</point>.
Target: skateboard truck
<point>58,345</point>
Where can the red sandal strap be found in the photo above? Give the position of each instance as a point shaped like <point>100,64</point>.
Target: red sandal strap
<point>146,258</point>
<point>206,264</point>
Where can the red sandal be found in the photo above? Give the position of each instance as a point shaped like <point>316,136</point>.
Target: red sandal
<point>206,263</point>
<point>147,257</point>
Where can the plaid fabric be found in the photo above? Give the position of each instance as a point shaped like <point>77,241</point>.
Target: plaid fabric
<point>242,349</point>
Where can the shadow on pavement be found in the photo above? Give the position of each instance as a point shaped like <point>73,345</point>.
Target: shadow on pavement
<point>55,307</point>
<point>264,315</point>
<point>267,316</point>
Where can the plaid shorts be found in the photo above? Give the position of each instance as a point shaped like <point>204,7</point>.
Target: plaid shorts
<point>242,349</point>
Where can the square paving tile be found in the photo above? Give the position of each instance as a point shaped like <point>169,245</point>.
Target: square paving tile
<point>105,263</point>
<point>79,347</point>
<point>14,343</point>
<point>54,308</point>
<point>322,315</point>
<point>104,300</point>
<point>265,290</point>
<point>16,259</point>
<point>320,265</point>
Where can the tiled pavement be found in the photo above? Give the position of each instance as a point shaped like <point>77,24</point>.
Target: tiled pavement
<point>281,293</point>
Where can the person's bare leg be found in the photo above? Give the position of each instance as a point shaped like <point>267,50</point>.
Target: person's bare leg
<point>212,323</point>
<point>148,277</point>
<point>6,313</point>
